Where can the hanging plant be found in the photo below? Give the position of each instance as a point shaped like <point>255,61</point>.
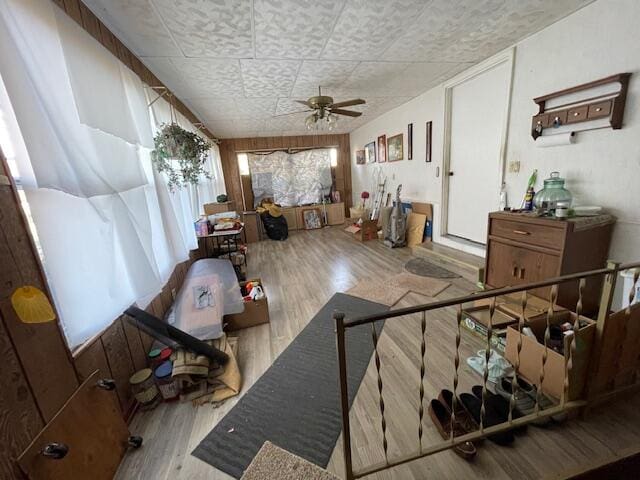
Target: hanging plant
<point>181,155</point>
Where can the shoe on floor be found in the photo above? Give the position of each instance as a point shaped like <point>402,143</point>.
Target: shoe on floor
<point>468,423</point>
<point>441,418</point>
<point>472,404</point>
<point>524,403</point>
<point>545,402</point>
<point>499,405</point>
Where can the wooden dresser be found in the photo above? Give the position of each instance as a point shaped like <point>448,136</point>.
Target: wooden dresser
<point>523,249</point>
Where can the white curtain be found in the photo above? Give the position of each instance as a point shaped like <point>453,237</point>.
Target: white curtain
<point>109,229</point>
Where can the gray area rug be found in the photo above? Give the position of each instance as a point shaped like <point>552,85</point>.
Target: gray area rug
<point>295,404</point>
<point>424,268</point>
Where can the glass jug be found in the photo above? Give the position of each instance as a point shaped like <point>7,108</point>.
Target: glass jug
<point>552,193</point>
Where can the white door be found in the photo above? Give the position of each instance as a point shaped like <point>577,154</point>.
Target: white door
<point>477,112</point>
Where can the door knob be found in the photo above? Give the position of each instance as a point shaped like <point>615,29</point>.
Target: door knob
<point>55,450</point>
<point>450,174</point>
<point>106,384</point>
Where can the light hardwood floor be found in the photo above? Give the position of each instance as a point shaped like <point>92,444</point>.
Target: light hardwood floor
<point>300,275</point>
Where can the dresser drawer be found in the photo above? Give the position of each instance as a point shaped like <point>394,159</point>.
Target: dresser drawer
<point>529,233</point>
<point>599,110</point>
<point>577,114</point>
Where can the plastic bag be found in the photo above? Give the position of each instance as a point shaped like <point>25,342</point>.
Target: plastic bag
<point>275,227</point>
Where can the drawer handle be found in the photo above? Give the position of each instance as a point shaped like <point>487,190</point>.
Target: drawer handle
<point>576,114</point>
<point>515,272</point>
<point>522,273</point>
<point>599,109</point>
<point>521,232</point>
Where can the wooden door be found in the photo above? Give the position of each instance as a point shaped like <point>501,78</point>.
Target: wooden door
<point>291,214</point>
<point>335,213</point>
<point>509,265</point>
<point>91,425</point>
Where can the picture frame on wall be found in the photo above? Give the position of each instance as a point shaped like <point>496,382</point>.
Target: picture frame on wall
<point>410,141</point>
<point>395,151</point>
<point>370,152</point>
<point>428,143</point>
<point>360,158</point>
<point>382,148</point>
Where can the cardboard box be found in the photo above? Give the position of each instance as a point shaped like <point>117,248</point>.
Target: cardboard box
<point>356,213</point>
<point>255,312</point>
<point>512,305</point>
<point>425,209</point>
<point>498,337</point>
<point>481,316</point>
<point>213,208</point>
<point>368,231</point>
<point>532,352</point>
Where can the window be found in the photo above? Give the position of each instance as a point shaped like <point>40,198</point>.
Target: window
<point>333,153</point>
<point>243,163</point>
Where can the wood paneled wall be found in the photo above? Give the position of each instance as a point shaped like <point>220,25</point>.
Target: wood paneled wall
<point>121,349</point>
<point>229,148</point>
<point>77,10</point>
<point>38,373</point>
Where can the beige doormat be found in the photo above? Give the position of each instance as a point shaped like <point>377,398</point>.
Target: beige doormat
<point>423,285</point>
<point>377,291</point>
<point>272,462</point>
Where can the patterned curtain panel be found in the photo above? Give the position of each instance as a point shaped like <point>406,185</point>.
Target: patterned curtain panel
<point>291,179</point>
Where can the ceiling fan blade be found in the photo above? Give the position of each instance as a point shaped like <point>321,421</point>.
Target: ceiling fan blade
<point>292,113</point>
<point>303,102</point>
<point>348,113</point>
<point>349,103</point>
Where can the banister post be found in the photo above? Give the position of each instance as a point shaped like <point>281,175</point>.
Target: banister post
<point>606,298</point>
<point>344,393</point>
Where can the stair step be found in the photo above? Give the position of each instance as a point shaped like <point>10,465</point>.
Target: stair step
<point>467,265</point>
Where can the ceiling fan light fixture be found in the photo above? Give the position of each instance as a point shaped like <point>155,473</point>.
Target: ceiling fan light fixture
<point>332,121</point>
<point>311,121</point>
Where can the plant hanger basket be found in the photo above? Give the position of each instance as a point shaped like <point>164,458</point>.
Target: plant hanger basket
<point>180,154</point>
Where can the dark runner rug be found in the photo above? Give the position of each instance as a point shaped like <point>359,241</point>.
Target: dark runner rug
<point>296,402</point>
<point>424,268</point>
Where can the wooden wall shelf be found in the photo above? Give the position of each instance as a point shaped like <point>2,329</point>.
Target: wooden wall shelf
<point>609,105</point>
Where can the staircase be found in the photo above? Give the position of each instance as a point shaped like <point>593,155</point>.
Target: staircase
<point>464,264</point>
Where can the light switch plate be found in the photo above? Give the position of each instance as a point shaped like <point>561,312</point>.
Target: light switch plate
<point>514,166</point>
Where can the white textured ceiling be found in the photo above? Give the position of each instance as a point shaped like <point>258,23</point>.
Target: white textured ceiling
<point>239,63</point>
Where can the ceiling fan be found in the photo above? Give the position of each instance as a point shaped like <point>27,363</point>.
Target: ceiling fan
<point>325,111</point>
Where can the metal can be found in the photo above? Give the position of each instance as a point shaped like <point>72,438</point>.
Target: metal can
<point>144,388</point>
<point>169,387</point>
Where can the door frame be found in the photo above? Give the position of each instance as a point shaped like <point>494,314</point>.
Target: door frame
<point>508,57</point>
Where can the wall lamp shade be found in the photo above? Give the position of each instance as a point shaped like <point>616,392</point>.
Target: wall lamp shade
<point>32,305</point>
